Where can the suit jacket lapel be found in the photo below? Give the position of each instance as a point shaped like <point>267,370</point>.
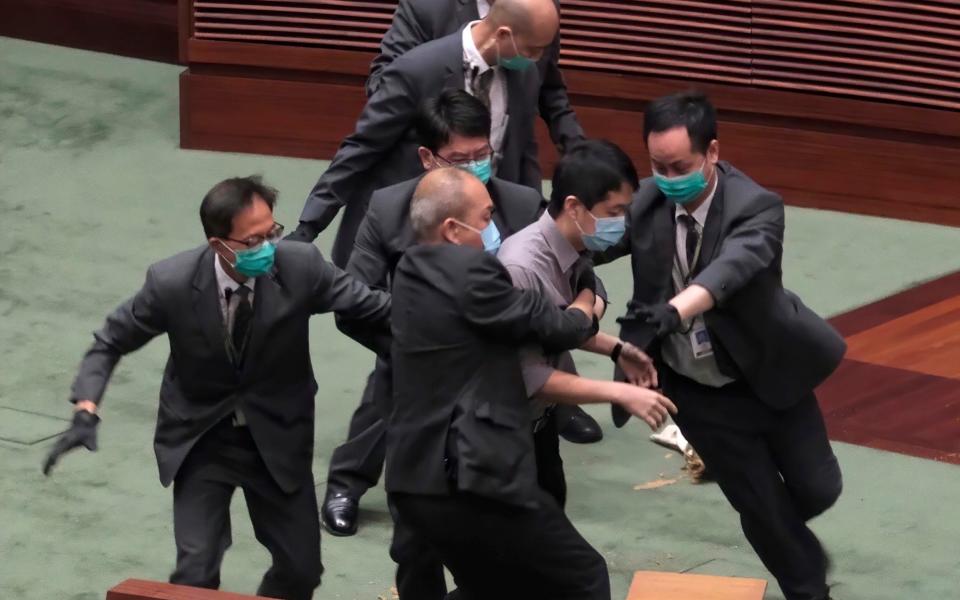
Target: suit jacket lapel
<point>711,233</point>
<point>503,216</point>
<point>206,304</point>
<point>665,243</point>
<point>467,11</point>
<point>453,78</point>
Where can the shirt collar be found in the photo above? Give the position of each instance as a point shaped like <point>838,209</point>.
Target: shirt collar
<point>483,8</point>
<point>472,59</point>
<point>700,215</point>
<point>225,282</point>
<point>563,251</point>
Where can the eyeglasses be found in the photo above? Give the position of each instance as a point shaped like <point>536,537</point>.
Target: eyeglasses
<point>484,155</point>
<point>255,240</point>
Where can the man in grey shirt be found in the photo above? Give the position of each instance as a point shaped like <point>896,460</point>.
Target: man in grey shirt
<point>592,188</point>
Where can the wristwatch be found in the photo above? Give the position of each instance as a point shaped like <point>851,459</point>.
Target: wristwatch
<point>615,353</point>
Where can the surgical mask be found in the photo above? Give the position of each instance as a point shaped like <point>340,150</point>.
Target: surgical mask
<point>483,169</point>
<point>490,236</point>
<point>682,189</point>
<point>514,63</point>
<point>609,231</point>
<point>254,262</point>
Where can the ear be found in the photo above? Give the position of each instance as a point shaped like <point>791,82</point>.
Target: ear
<point>426,158</point>
<point>449,231</point>
<point>571,203</point>
<point>713,152</point>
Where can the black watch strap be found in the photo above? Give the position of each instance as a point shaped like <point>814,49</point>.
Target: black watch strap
<point>615,354</point>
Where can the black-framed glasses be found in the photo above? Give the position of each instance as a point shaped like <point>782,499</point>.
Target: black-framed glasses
<point>255,240</point>
<point>487,153</point>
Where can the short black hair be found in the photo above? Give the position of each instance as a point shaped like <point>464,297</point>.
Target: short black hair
<point>590,170</point>
<point>453,112</point>
<point>227,199</point>
<point>690,109</point>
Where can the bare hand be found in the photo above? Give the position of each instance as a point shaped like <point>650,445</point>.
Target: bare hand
<point>649,405</point>
<point>637,366</point>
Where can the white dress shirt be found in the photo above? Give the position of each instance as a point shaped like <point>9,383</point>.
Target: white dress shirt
<point>229,309</point>
<point>678,350</point>
<point>473,66</point>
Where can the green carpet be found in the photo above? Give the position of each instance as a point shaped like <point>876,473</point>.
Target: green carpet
<point>93,188</point>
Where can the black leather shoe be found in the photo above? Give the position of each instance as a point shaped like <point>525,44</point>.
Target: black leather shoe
<point>339,514</point>
<point>577,426</point>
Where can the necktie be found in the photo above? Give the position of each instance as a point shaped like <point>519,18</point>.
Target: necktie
<point>692,241</point>
<point>482,82</point>
<point>241,319</point>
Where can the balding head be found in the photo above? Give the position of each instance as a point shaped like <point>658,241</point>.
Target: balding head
<point>450,205</point>
<point>518,27</point>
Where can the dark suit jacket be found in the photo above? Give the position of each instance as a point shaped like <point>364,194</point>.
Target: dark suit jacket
<point>382,149</point>
<point>419,21</point>
<point>761,332</point>
<point>386,233</point>
<point>457,324</point>
<point>275,387</point>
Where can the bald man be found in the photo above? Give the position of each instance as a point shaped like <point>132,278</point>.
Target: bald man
<point>418,21</point>
<point>492,59</point>
<point>461,472</point>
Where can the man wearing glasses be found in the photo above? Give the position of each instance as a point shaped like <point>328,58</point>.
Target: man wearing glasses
<point>453,130</point>
<point>237,396</point>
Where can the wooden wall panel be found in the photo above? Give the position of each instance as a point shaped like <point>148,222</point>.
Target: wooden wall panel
<point>810,167</point>
<point>138,28</point>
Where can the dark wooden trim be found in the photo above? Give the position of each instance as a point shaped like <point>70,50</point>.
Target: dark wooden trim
<point>877,313</point>
<point>138,28</point>
<point>184,29</point>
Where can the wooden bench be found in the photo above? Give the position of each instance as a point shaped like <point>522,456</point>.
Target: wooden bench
<point>654,585</point>
<point>141,589</point>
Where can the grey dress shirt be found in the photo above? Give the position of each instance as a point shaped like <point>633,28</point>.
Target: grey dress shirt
<point>539,257</point>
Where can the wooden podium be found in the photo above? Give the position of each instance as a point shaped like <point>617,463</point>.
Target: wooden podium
<point>654,585</point>
<point>141,589</point>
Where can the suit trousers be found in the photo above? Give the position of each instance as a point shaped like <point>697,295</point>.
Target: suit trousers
<point>776,468</point>
<point>356,464</point>
<point>419,569</point>
<point>497,550</point>
<point>287,525</point>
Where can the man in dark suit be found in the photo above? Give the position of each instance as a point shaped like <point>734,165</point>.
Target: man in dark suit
<point>490,60</point>
<point>454,130</point>
<point>418,21</point>
<point>237,396</point>
<point>738,354</point>
<point>461,470</point>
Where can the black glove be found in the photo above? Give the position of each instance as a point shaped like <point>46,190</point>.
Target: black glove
<point>82,432</point>
<point>664,318</point>
<point>305,232</point>
<point>583,277</point>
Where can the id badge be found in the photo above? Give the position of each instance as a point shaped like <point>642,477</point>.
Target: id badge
<point>700,341</point>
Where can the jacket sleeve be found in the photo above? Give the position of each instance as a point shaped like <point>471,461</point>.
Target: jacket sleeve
<point>127,329</point>
<point>750,246</point>
<point>362,313</point>
<point>385,118</point>
<point>554,103</point>
<point>369,262</point>
<point>406,32</point>
<point>491,303</point>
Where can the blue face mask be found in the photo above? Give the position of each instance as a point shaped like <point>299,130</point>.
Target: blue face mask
<point>483,169</point>
<point>490,236</point>
<point>514,63</point>
<point>682,189</point>
<point>254,262</point>
<point>608,232</point>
